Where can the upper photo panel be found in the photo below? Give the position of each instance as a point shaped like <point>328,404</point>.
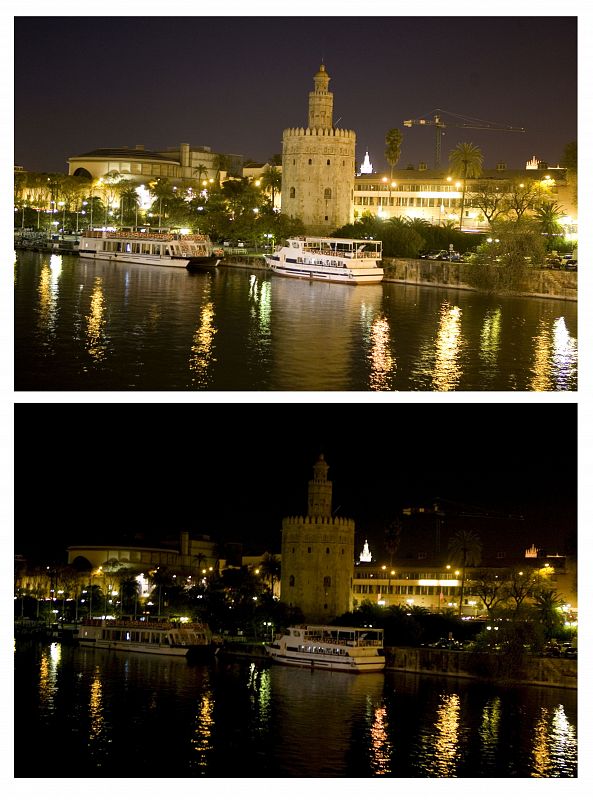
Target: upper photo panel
<point>296,204</point>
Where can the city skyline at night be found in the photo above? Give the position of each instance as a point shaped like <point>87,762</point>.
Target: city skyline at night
<point>232,92</point>
<point>235,478</point>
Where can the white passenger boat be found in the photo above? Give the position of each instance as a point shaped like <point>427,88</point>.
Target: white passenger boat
<point>193,251</point>
<point>162,638</point>
<point>330,647</point>
<point>326,259</point>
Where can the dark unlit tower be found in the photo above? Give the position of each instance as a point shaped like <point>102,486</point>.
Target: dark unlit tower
<point>318,555</point>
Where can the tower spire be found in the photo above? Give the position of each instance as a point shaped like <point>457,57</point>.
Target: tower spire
<point>320,491</point>
<point>321,101</point>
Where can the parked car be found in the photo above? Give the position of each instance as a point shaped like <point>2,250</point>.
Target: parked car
<point>571,265</point>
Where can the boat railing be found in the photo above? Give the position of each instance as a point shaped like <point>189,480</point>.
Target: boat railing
<point>140,235</point>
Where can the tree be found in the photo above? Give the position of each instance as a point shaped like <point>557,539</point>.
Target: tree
<point>490,198</point>
<point>465,548</point>
<point>271,180</point>
<point>489,588</point>
<point>466,161</point>
<point>393,146</point>
<point>570,161</point>
<point>547,215</point>
<point>522,197</point>
<point>547,611</point>
<point>518,587</point>
<point>270,569</point>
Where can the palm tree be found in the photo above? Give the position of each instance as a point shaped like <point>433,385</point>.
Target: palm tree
<point>271,179</point>
<point>393,145</point>
<point>465,547</point>
<point>199,170</point>
<point>270,569</point>
<point>466,161</point>
<point>548,214</point>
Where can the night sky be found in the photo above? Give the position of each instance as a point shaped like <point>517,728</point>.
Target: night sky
<point>235,83</point>
<point>234,471</point>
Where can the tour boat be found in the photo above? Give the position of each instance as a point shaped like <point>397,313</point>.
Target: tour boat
<point>326,259</point>
<point>330,647</point>
<point>162,638</point>
<point>193,251</point>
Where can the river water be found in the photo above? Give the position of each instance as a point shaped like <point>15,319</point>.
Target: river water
<point>85,713</point>
<point>81,325</point>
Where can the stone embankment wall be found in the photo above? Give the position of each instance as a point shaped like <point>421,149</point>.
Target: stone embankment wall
<point>253,262</point>
<point>484,666</point>
<point>555,284</point>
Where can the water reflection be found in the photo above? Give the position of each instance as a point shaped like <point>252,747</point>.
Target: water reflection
<point>202,737</point>
<point>490,339</point>
<point>47,291</point>
<point>382,362</point>
<point>447,367</point>
<point>48,673</point>
<point>555,357</point>
<point>381,747</point>
<point>201,356</point>
<point>554,744</point>
<point>489,731</point>
<point>439,746</point>
<point>95,334</point>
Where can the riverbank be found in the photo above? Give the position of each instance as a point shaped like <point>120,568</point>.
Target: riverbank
<point>496,667</point>
<point>543,283</point>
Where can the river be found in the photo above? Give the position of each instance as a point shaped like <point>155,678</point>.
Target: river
<point>81,325</point>
<point>86,713</point>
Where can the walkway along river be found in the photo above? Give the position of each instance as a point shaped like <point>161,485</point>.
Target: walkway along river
<point>88,326</point>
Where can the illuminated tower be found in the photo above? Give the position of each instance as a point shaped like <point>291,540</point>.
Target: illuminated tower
<point>366,168</point>
<point>318,166</point>
<point>318,555</point>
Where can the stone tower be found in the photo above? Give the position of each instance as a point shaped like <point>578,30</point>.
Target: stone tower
<point>318,166</point>
<point>318,555</point>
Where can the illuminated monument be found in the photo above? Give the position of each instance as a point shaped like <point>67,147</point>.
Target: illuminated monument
<point>318,555</point>
<point>318,166</point>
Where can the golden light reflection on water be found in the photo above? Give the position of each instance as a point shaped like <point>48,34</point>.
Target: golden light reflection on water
<point>381,747</point>
<point>490,337</point>
<point>555,357</point>
<point>201,740</point>
<point>95,321</point>
<point>48,291</point>
<point>201,356</point>
<point>383,363</point>
<point>490,728</point>
<point>447,367</point>
<point>554,750</point>
<point>96,715</point>
<point>48,673</point>
<point>441,750</point>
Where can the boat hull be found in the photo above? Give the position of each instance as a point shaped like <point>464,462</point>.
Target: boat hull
<point>136,647</point>
<point>352,278</point>
<point>336,664</point>
<point>131,258</point>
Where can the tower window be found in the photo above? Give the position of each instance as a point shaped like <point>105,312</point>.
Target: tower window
<point>291,580</point>
<point>293,550</point>
<point>292,191</point>
<point>328,162</point>
<point>327,549</point>
<point>310,161</point>
<point>293,161</point>
<point>326,218</point>
<point>327,582</point>
<point>327,195</point>
<point>308,549</point>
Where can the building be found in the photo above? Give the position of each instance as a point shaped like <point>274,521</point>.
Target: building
<point>182,163</point>
<point>435,195</point>
<point>318,555</point>
<point>318,166</point>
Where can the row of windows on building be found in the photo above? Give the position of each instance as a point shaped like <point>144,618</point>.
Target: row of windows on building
<point>418,202</point>
<point>446,591</point>
<point>406,187</point>
<point>327,193</point>
<point>140,168</point>
<point>312,162</point>
<point>327,550</point>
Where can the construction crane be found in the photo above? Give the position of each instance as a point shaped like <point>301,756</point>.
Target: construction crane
<point>464,122</point>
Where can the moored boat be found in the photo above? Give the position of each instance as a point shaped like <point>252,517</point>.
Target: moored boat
<point>162,638</point>
<point>192,251</point>
<point>330,647</point>
<point>319,258</point>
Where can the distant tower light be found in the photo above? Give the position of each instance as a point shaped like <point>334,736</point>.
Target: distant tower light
<point>366,168</point>
<point>366,553</point>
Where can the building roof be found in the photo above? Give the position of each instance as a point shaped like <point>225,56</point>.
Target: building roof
<point>125,152</point>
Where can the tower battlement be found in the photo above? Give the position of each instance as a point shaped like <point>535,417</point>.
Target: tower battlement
<point>336,133</point>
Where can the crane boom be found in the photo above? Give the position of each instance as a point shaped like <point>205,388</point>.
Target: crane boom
<point>465,122</point>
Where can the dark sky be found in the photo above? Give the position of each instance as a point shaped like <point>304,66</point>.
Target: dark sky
<point>234,470</point>
<point>235,83</point>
